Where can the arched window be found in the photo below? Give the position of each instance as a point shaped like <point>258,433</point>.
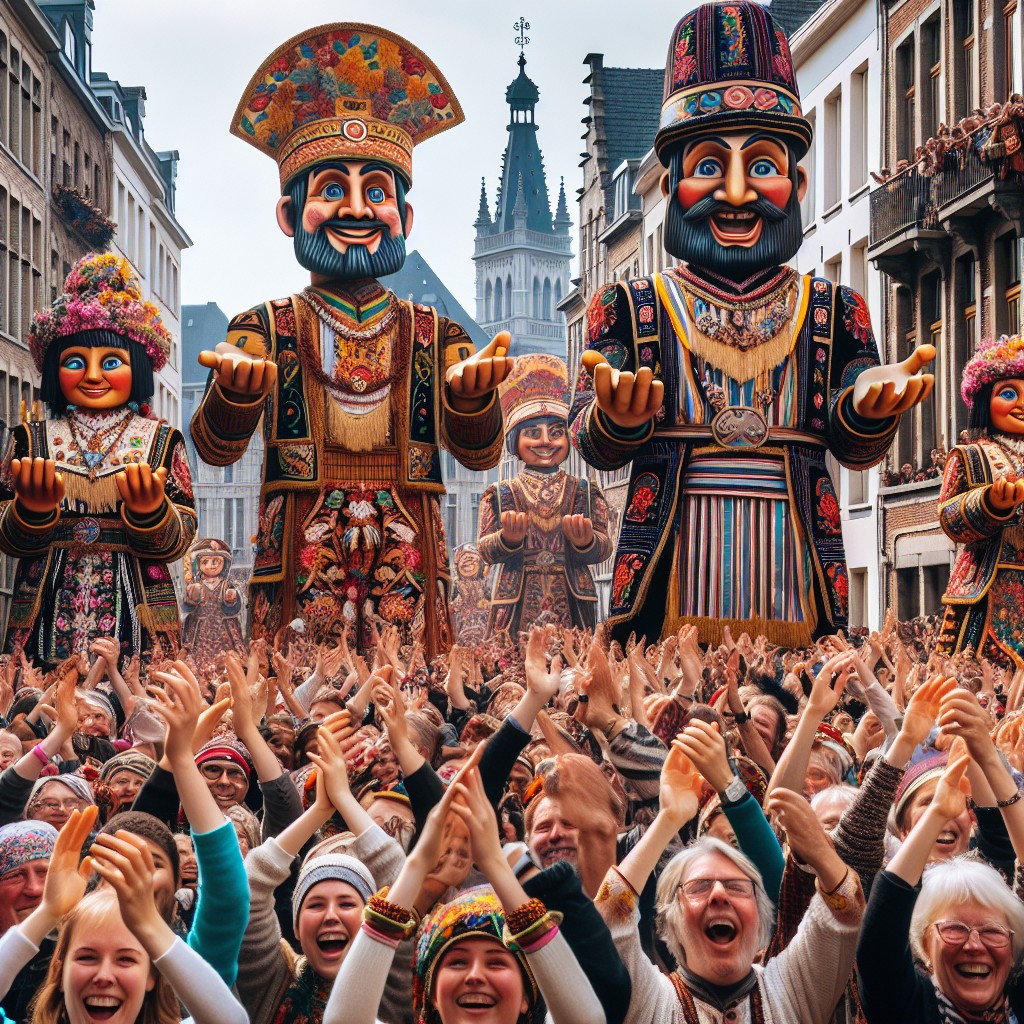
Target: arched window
<point>498,310</point>
<point>488,298</point>
<point>536,298</point>
<point>558,293</point>
<point>547,298</point>
<point>508,297</point>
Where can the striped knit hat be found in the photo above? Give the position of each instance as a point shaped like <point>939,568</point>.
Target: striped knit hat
<point>332,867</point>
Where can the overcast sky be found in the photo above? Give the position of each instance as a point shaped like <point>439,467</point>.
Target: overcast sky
<point>194,58</point>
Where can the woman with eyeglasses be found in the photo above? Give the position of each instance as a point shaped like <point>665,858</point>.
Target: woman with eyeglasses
<point>945,953</point>
<point>714,915</point>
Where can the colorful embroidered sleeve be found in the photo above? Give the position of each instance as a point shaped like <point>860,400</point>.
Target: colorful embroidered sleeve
<point>22,534</point>
<point>601,548</point>
<point>221,428</point>
<point>473,438</point>
<point>489,543</point>
<point>609,332</point>
<point>964,513</point>
<point>856,442</point>
<point>167,534</point>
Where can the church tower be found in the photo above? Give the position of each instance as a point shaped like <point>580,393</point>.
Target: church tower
<point>522,254</point>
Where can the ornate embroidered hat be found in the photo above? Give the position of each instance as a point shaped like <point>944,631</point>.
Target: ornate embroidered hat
<point>344,91</point>
<point>993,360</point>
<point>729,65</point>
<point>537,386</point>
<point>473,914</point>
<point>101,293</point>
<point>206,547</point>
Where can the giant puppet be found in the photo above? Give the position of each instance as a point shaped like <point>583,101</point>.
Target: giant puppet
<point>980,507</point>
<point>727,380</point>
<point>212,605</point>
<point>543,529</point>
<point>358,390</point>
<point>99,494</point>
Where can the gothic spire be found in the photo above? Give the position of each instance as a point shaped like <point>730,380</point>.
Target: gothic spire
<point>483,217</point>
<point>562,219</point>
<point>520,210</point>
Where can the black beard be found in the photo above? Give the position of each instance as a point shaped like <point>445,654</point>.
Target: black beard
<point>688,237</point>
<point>315,253</point>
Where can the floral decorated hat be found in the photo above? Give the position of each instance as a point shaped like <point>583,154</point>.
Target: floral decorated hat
<point>101,293</point>
<point>729,67</point>
<point>994,360</point>
<point>537,386</point>
<point>344,90</point>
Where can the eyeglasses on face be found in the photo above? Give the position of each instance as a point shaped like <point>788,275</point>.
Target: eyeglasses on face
<point>956,933</point>
<point>213,772</point>
<point>56,806</point>
<point>696,888</point>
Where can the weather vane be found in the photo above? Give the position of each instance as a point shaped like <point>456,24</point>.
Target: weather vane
<point>522,26</point>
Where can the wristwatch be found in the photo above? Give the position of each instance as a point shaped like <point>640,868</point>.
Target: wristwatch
<point>734,792</point>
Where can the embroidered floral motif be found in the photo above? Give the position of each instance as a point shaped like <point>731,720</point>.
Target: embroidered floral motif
<point>856,316</point>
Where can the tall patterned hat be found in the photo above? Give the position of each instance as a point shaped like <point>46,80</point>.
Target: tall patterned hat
<point>729,65</point>
<point>994,360</point>
<point>344,90</point>
<point>209,546</point>
<point>537,386</point>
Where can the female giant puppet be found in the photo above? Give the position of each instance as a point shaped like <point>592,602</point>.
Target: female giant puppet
<point>99,496</point>
<point>726,381</point>
<point>543,529</point>
<point>980,508</point>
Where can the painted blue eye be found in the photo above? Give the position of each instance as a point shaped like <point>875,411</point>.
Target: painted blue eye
<point>73,363</point>
<point>708,168</point>
<point>763,168</point>
<point>375,194</point>
<point>112,363</point>
<point>333,192</point>
<point>1009,394</point>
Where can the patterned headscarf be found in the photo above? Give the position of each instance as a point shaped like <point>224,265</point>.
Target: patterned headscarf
<point>133,761</point>
<point>79,786</point>
<point>23,842</point>
<point>473,914</point>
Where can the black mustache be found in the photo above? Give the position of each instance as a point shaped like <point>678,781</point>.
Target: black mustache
<point>345,223</point>
<point>709,206</point>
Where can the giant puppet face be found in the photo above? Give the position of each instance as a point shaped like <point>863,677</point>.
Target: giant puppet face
<point>1006,406</point>
<point>734,203</point>
<point>348,220</point>
<point>543,443</point>
<point>95,377</point>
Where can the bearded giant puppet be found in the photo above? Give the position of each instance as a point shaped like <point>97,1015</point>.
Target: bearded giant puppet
<point>99,494</point>
<point>358,390</point>
<point>727,380</point>
<point>543,529</point>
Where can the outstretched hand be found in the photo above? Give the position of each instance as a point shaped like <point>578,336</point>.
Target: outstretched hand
<point>474,378</point>
<point>141,487</point>
<point>38,486</point>
<point>629,400</point>
<point>681,785</point>
<point>889,390</point>
<point>238,373</point>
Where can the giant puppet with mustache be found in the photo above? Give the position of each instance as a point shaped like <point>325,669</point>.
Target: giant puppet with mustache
<point>357,389</point>
<point>726,381</point>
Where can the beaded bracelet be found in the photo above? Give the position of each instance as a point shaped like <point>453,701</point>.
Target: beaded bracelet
<point>522,917</point>
<point>1009,803</point>
<point>534,931</point>
<point>390,917</point>
<point>387,926</point>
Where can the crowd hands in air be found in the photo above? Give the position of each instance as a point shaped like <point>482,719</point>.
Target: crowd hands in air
<point>520,831</point>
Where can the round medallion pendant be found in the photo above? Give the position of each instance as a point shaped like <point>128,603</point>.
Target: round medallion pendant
<point>86,532</point>
<point>741,427</point>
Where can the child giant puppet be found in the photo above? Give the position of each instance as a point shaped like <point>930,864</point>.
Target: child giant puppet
<point>727,380</point>
<point>99,496</point>
<point>358,389</point>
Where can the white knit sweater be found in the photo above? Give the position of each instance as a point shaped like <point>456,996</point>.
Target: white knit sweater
<point>800,986</point>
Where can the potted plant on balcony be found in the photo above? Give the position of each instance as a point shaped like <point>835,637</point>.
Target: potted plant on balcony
<point>81,216</point>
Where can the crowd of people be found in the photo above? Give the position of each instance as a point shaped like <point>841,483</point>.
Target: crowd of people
<point>559,830</point>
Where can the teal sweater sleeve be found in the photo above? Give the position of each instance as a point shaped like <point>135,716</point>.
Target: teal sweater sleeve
<point>758,842</point>
<point>222,911</point>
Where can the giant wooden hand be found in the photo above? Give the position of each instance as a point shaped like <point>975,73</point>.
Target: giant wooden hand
<point>239,374</point>
<point>471,381</point>
<point>629,400</point>
<point>894,388</point>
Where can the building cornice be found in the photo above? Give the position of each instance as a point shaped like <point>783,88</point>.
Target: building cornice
<point>819,28</point>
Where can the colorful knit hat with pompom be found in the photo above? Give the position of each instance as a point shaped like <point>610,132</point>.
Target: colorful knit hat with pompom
<point>101,293</point>
<point>473,914</point>
<point>993,360</point>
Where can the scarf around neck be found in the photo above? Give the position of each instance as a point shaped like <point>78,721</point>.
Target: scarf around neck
<point>949,1014</point>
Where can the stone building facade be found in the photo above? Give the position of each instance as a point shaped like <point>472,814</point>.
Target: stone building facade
<point>946,232</point>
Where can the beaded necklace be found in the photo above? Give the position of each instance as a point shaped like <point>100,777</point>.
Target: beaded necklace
<point>95,451</point>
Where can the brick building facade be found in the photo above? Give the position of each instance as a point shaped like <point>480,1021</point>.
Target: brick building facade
<point>946,231</point>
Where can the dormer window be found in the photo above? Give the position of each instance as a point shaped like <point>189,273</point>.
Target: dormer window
<point>70,44</point>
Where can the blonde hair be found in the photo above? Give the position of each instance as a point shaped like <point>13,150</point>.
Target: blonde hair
<point>159,1006</point>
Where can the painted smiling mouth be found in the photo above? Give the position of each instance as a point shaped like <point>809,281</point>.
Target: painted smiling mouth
<point>737,222</point>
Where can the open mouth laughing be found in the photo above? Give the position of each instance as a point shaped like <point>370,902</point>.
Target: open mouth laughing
<point>736,227</point>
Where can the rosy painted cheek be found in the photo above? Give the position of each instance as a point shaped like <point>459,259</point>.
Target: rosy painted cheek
<point>692,190</point>
<point>776,190</point>
<point>121,378</point>
<point>314,218</point>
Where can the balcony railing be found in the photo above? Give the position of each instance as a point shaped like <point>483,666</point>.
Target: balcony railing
<point>963,172</point>
<point>899,204</point>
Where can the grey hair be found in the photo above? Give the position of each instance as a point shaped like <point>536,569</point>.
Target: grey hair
<point>961,880</point>
<point>841,791</point>
<point>671,924</point>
